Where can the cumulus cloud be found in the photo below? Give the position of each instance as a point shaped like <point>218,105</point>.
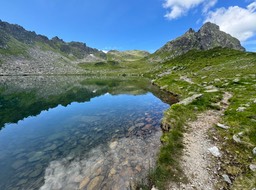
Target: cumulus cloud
<point>237,21</point>
<point>179,8</point>
<point>209,4</point>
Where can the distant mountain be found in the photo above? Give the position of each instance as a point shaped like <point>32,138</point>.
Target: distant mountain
<point>25,52</point>
<point>130,55</point>
<point>208,37</point>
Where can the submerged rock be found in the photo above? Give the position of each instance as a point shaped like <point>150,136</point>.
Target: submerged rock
<point>113,145</point>
<point>84,182</point>
<point>18,164</point>
<point>23,181</point>
<point>95,183</point>
<point>51,148</point>
<point>139,124</point>
<point>37,172</point>
<point>37,156</point>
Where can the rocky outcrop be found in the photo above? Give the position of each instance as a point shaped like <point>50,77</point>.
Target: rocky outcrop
<point>208,37</point>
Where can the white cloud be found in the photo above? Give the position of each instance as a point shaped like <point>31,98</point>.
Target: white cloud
<point>252,7</point>
<point>178,8</point>
<point>209,4</point>
<point>237,21</point>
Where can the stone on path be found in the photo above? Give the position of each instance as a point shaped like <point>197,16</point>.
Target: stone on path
<point>237,139</point>
<point>215,151</point>
<point>222,126</point>
<point>252,167</point>
<point>254,151</point>
<point>153,188</point>
<point>226,178</point>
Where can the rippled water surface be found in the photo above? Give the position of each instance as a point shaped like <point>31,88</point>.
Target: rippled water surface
<point>77,133</point>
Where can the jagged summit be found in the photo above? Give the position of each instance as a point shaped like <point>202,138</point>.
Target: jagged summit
<point>209,36</point>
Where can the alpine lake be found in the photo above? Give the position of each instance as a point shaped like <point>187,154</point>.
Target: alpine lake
<point>73,132</point>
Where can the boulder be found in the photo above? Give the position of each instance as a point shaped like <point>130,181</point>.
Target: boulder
<point>190,99</point>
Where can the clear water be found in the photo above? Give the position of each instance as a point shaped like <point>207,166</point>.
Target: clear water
<point>85,134</point>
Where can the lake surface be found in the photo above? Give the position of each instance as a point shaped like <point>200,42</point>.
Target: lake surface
<point>77,133</point>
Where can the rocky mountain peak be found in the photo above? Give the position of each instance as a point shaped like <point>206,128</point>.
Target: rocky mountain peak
<point>190,31</point>
<point>57,39</point>
<point>208,26</point>
<point>209,36</point>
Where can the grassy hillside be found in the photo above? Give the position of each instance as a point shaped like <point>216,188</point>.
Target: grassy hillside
<point>211,73</point>
<point>124,67</point>
<point>124,56</point>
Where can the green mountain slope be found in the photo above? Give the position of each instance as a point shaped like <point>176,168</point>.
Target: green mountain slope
<point>25,52</point>
<point>12,32</point>
<point>211,73</point>
<point>131,55</point>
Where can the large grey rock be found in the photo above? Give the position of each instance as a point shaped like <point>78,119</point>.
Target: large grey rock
<point>190,99</point>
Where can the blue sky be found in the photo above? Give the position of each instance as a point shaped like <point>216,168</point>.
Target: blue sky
<point>133,24</point>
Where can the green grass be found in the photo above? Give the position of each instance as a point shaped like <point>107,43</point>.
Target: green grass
<point>115,68</point>
<point>126,56</point>
<point>229,71</point>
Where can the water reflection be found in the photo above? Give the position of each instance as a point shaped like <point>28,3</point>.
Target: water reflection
<point>74,132</point>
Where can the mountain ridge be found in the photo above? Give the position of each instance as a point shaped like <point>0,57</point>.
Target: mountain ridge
<point>30,38</point>
<point>24,52</point>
